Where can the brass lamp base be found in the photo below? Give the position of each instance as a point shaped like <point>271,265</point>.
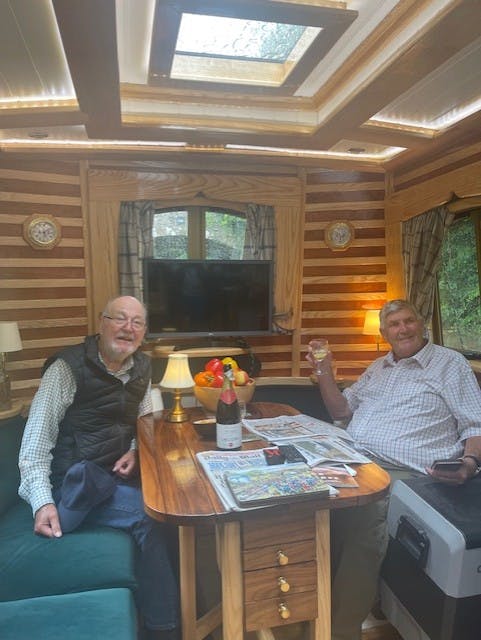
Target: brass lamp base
<point>177,413</point>
<point>5,400</point>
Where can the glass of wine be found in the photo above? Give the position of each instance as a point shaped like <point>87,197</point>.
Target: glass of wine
<point>319,349</point>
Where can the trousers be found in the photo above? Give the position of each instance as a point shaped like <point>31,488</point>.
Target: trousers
<point>158,592</point>
<point>359,538</point>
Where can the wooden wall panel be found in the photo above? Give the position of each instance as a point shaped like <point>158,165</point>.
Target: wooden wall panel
<point>338,286</point>
<point>44,291</point>
<point>106,188</point>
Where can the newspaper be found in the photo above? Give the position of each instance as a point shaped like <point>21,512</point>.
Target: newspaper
<point>327,449</point>
<point>318,441</point>
<point>217,463</point>
<point>291,427</point>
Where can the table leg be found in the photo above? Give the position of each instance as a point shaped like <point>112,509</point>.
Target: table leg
<point>229,546</point>
<point>320,628</point>
<point>188,596</point>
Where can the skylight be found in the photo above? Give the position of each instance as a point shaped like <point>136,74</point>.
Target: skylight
<point>234,50</point>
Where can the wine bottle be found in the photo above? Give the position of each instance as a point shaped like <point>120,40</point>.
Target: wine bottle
<point>227,417</point>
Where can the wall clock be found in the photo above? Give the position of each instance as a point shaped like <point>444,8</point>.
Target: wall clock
<point>42,231</point>
<point>339,235</point>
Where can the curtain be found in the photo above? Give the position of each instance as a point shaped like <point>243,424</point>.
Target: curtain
<point>135,243</point>
<point>422,239</point>
<point>260,238</point>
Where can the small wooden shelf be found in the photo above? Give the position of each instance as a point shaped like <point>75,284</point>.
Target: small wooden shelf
<point>199,352</point>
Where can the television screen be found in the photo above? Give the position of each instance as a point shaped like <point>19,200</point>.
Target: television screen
<point>208,297</point>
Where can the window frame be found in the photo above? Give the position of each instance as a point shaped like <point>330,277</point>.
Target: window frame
<point>437,325</point>
<point>196,223</point>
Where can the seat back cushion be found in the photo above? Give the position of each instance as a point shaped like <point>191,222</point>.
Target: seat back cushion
<point>108,614</point>
<point>306,398</point>
<point>88,558</point>
<point>11,432</point>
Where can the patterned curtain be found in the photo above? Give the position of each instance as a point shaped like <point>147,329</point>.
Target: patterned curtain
<point>422,239</point>
<point>260,239</point>
<point>135,243</point>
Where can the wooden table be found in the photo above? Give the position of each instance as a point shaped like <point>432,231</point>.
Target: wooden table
<point>176,490</point>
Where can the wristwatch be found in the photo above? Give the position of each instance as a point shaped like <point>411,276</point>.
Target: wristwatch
<point>476,460</point>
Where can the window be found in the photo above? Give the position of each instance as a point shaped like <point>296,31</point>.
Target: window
<point>459,285</point>
<point>199,232</point>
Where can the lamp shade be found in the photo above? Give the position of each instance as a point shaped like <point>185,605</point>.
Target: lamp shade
<point>371,323</point>
<point>9,337</point>
<point>177,373</point>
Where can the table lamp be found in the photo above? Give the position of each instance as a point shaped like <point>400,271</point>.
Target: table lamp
<point>177,376</point>
<point>371,325</point>
<point>9,341</point>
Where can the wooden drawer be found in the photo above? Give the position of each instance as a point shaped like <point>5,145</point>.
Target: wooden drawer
<point>264,583</point>
<point>265,613</point>
<point>286,526</point>
<point>263,557</point>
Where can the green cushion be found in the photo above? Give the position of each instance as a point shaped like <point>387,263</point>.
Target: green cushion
<point>11,431</point>
<point>88,558</point>
<point>106,614</point>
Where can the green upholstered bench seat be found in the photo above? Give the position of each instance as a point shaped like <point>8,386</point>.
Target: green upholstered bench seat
<point>89,558</point>
<point>107,614</point>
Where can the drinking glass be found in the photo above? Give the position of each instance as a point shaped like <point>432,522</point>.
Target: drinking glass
<point>319,349</point>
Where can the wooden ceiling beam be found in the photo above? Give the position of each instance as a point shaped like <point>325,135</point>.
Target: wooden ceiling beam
<point>448,36</point>
<point>88,32</point>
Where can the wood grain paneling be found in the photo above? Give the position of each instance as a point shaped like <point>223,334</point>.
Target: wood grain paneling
<point>44,291</point>
<point>337,286</point>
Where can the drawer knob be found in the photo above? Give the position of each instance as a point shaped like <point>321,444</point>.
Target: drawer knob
<point>282,558</point>
<point>284,586</point>
<point>284,611</point>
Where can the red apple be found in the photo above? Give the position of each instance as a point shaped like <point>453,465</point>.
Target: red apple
<point>241,377</point>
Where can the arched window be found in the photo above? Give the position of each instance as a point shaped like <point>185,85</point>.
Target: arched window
<point>198,232</point>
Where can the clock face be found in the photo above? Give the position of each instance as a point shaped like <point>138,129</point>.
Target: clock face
<point>339,235</point>
<point>42,231</point>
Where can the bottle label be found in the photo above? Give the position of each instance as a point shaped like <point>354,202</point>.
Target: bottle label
<point>229,436</point>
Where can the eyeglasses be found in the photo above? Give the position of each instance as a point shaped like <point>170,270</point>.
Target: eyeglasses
<point>120,321</point>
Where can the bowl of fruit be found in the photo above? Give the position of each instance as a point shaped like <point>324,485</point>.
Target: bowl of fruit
<point>208,383</point>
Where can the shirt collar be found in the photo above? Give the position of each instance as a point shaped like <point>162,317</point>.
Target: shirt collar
<point>422,357</point>
<point>126,365</point>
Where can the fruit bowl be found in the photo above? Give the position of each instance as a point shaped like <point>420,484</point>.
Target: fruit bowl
<point>209,396</point>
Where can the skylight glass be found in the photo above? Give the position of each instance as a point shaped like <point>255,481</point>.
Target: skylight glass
<point>239,51</point>
<point>237,38</point>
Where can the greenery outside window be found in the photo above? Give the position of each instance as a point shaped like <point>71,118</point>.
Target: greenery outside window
<point>459,286</point>
<point>198,232</point>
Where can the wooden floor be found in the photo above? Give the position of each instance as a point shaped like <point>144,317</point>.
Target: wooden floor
<point>383,631</point>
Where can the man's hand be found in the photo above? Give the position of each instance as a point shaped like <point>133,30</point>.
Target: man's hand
<point>467,471</point>
<point>126,465</point>
<point>47,522</point>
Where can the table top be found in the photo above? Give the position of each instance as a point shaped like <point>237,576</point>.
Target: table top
<point>176,489</point>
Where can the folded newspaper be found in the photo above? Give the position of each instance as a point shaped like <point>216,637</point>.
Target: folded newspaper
<point>318,441</point>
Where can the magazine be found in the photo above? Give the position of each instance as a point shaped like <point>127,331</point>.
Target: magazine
<point>338,477</point>
<point>271,485</point>
<point>217,463</point>
<point>290,427</point>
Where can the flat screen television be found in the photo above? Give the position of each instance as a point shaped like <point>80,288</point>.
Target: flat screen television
<point>208,297</point>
